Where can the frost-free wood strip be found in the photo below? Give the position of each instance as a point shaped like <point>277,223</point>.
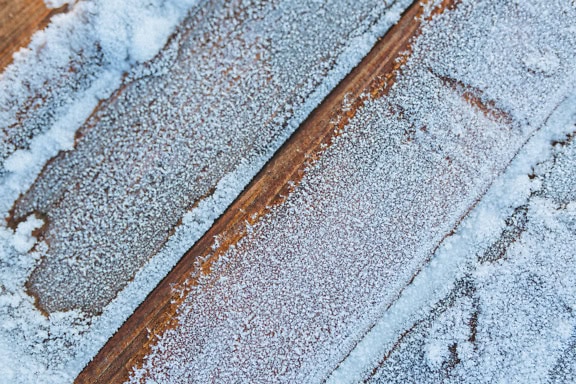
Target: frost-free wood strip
<point>19,19</point>
<point>126,348</point>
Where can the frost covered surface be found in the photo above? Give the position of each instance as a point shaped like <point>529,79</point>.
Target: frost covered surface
<point>293,298</point>
<point>77,61</point>
<point>510,315</point>
<point>198,120</point>
<point>45,95</point>
<point>221,95</point>
<point>484,237</point>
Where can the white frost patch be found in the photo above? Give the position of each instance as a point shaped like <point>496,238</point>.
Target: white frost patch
<point>19,161</point>
<point>23,240</point>
<point>449,263</point>
<point>436,352</point>
<point>546,63</point>
<point>135,30</point>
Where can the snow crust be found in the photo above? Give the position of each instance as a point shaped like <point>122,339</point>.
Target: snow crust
<point>109,174</point>
<point>458,294</point>
<point>456,145</point>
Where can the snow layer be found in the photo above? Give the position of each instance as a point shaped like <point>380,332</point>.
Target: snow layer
<point>452,277</point>
<point>508,318</point>
<point>293,299</point>
<point>77,61</point>
<point>199,119</point>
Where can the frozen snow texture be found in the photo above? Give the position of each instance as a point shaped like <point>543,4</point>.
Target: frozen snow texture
<point>294,297</point>
<point>94,42</point>
<point>515,312</point>
<point>143,159</point>
<point>200,119</point>
<point>426,305</point>
<point>45,95</point>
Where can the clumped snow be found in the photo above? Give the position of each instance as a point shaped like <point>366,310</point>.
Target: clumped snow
<point>510,319</point>
<point>45,96</point>
<point>121,163</point>
<point>330,265</point>
<point>496,224</point>
<point>77,61</point>
<point>23,239</point>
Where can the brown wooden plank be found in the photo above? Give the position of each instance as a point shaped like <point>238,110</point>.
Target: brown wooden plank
<point>19,19</point>
<point>126,349</point>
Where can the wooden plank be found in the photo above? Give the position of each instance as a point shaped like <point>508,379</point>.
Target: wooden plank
<point>19,20</point>
<point>126,349</point>
<point>241,97</point>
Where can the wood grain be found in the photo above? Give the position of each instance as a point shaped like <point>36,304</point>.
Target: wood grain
<point>376,73</point>
<point>19,20</point>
